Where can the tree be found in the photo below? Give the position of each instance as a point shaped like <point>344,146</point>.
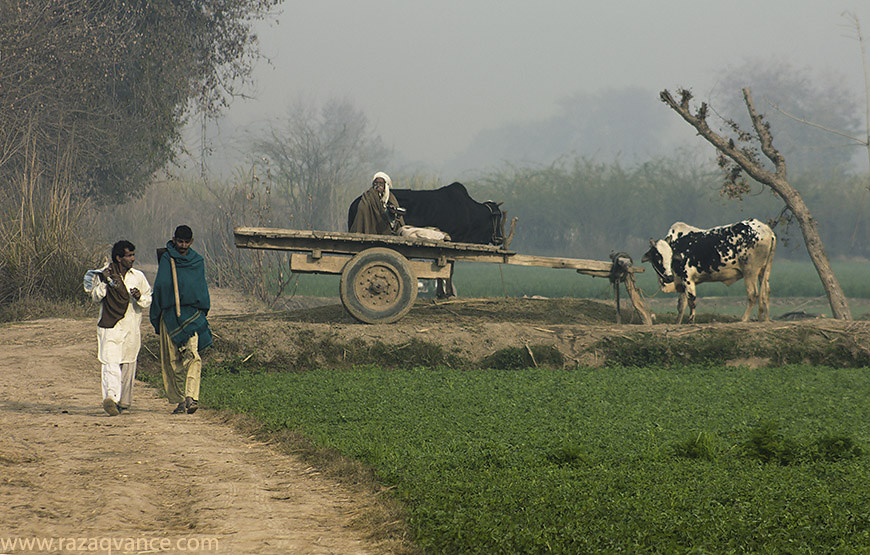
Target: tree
<point>317,157</point>
<point>111,82</point>
<point>737,157</point>
<point>798,96</point>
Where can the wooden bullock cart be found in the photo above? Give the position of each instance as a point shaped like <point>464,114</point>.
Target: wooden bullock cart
<point>379,272</point>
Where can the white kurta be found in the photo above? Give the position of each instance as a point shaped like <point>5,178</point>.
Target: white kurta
<point>121,343</point>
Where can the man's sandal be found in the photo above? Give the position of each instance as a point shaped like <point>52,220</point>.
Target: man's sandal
<point>110,407</point>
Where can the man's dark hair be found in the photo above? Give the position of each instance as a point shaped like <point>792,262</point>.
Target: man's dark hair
<point>120,248</point>
<point>183,232</point>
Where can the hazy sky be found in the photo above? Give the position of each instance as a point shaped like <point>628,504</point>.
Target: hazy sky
<point>431,75</point>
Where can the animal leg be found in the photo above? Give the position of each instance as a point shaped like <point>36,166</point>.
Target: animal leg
<point>751,282</point>
<point>681,306</point>
<point>444,287</point>
<point>451,290</point>
<point>764,293</point>
<point>764,299</point>
<point>440,292</point>
<point>690,298</point>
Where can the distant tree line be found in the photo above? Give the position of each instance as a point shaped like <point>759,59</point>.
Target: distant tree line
<point>584,208</point>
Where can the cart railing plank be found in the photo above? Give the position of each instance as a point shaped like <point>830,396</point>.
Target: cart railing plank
<point>443,252</point>
<point>346,243</point>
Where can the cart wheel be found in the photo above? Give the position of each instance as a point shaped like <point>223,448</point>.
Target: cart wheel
<point>378,286</point>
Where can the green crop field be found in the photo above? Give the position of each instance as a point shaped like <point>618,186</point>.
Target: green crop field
<point>693,459</point>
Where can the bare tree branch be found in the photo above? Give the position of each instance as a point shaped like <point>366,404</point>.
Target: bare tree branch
<point>787,114</point>
<point>764,136</point>
<point>746,160</point>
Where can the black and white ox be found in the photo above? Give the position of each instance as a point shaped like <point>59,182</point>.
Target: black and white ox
<point>451,210</point>
<point>688,256</point>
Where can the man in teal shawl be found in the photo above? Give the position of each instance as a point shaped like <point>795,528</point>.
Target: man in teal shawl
<point>179,307</point>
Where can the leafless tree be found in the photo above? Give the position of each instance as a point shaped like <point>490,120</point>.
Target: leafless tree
<point>316,157</point>
<point>742,156</point>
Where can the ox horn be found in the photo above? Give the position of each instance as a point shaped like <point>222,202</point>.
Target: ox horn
<point>652,243</point>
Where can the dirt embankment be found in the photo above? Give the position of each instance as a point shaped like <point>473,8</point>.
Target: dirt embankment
<point>468,331</point>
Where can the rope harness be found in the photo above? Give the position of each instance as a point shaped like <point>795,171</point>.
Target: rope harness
<point>495,215</point>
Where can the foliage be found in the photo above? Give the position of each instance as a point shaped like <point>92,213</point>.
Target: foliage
<point>589,460</point>
<point>515,358</point>
<point>793,90</point>
<point>583,208</point>
<point>789,346</point>
<point>768,444</point>
<point>702,445</point>
<point>43,253</point>
<point>112,81</point>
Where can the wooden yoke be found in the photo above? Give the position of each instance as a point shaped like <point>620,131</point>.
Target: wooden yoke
<point>622,271</point>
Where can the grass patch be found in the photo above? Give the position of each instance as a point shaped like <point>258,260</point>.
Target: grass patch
<point>794,345</point>
<point>515,358</point>
<point>702,445</point>
<point>768,444</point>
<point>587,460</point>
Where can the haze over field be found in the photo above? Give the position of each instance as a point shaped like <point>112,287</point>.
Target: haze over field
<point>454,86</point>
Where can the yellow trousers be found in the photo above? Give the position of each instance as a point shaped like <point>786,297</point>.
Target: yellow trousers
<point>181,366</point>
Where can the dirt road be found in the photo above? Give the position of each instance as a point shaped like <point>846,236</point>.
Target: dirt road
<point>68,470</point>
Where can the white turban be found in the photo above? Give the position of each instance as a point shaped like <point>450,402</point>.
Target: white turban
<point>386,178</point>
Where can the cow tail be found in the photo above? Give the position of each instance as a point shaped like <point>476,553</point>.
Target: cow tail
<point>764,285</point>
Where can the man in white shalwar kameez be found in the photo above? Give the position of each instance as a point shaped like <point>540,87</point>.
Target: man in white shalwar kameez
<point>123,293</point>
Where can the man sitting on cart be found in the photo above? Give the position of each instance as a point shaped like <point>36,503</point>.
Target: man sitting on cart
<point>378,212</point>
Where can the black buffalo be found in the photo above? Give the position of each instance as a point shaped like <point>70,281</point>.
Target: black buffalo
<point>451,210</point>
<point>454,212</point>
